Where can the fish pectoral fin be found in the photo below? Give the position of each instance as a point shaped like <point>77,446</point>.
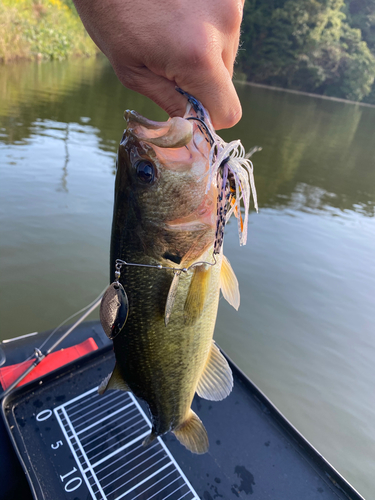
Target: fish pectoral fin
<point>171,297</point>
<point>112,382</point>
<point>216,381</point>
<point>197,294</point>
<point>229,284</point>
<point>192,434</point>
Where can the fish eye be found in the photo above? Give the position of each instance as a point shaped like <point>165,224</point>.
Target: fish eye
<point>145,171</point>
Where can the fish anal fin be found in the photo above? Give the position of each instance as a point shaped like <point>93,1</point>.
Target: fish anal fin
<point>197,294</point>
<point>192,434</point>
<point>216,381</point>
<point>229,284</point>
<point>150,438</point>
<point>113,381</point>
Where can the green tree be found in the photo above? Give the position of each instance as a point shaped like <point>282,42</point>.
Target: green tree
<point>361,15</point>
<point>305,45</point>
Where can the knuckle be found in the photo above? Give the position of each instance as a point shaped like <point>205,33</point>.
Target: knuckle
<point>131,78</point>
<point>123,73</point>
<point>200,57</point>
<point>174,109</point>
<point>197,53</point>
<point>127,79</point>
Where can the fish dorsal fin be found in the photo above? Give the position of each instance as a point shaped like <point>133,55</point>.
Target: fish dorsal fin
<point>192,434</point>
<point>171,297</point>
<point>216,381</point>
<point>113,381</point>
<point>229,284</point>
<point>197,294</point>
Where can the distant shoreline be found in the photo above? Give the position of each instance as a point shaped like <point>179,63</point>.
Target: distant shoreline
<point>42,30</point>
<point>300,92</point>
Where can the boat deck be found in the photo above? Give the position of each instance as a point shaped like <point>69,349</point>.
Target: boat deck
<point>76,444</point>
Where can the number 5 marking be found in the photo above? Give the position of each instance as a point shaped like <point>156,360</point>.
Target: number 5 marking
<point>57,445</point>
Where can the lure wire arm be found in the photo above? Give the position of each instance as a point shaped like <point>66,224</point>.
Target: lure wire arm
<point>176,270</point>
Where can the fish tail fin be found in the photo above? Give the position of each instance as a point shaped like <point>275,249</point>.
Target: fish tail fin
<point>150,438</point>
<point>192,434</point>
<point>113,381</point>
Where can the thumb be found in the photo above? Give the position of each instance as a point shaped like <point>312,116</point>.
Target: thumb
<point>214,88</point>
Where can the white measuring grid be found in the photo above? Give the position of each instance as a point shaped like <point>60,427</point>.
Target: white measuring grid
<point>105,435</point>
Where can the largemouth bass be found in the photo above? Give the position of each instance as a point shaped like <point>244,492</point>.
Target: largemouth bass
<point>177,183</point>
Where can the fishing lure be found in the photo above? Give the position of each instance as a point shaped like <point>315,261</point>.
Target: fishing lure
<point>234,175</point>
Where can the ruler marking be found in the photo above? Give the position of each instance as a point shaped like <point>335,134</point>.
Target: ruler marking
<point>134,477</point>
<point>95,412</point>
<point>195,496</point>
<point>143,481</point>
<point>79,397</point>
<point>153,484</point>
<point>87,467</point>
<point>120,428</point>
<point>130,470</point>
<point>174,491</point>
<point>152,446</point>
<point>120,449</point>
<point>125,437</point>
<point>102,399</point>
<point>104,418</point>
<point>83,472</point>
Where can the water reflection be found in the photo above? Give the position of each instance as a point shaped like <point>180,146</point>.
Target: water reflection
<point>64,92</point>
<point>64,186</point>
<point>323,144</point>
<point>311,142</point>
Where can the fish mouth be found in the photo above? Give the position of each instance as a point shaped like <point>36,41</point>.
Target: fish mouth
<point>176,132</point>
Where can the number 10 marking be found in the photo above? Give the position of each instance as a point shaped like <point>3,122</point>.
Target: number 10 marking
<point>73,483</point>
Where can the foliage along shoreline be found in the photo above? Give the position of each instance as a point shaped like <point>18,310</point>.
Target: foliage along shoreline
<point>42,30</point>
<point>324,47</point>
<point>318,47</point>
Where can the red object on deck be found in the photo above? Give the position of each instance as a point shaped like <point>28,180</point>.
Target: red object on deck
<point>8,374</point>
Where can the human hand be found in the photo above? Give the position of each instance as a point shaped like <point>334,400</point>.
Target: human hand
<point>155,45</point>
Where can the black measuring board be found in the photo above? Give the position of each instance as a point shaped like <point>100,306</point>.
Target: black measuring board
<point>105,435</point>
<point>90,446</point>
<point>75,445</point>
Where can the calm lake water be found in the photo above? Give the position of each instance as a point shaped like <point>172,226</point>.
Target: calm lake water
<point>305,330</point>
